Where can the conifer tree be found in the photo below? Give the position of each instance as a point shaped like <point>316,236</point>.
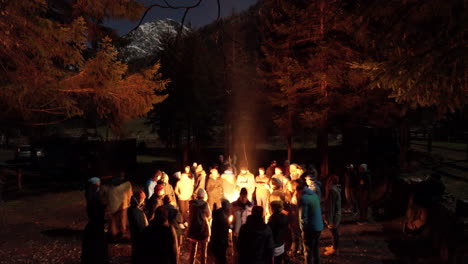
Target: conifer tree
<point>45,76</point>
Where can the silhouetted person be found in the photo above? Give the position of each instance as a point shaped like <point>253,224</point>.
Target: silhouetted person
<point>137,222</point>
<point>310,220</point>
<point>363,192</point>
<point>271,169</point>
<point>219,240</point>
<point>333,211</point>
<point>278,223</point>
<point>198,229</point>
<point>94,246</point>
<point>255,243</point>
<point>159,242</point>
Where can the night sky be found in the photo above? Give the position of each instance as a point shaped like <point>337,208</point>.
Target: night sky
<point>200,16</point>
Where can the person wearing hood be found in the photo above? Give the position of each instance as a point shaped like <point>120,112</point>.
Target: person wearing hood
<point>311,223</point>
<point>94,245</point>
<point>94,206</point>
<point>198,229</point>
<point>255,244</point>
<point>333,219</point>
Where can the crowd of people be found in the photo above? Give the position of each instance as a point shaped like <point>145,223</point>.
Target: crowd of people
<point>271,217</point>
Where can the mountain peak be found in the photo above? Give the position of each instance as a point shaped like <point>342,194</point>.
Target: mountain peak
<point>145,40</point>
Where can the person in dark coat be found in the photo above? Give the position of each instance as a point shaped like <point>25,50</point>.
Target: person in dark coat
<point>174,217</point>
<point>255,243</point>
<point>94,204</point>
<point>198,229</point>
<point>219,240</point>
<point>94,246</point>
<point>214,188</point>
<point>155,200</point>
<point>278,223</point>
<point>333,211</point>
<point>159,242</point>
<point>311,221</point>
<point>137,222</point>
<point>362,192</point>
<point>270,171</point>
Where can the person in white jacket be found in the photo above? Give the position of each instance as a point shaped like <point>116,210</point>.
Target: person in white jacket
<point>184,191</point>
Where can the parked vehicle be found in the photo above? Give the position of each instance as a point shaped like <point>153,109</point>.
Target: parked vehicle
<point>28,153</point>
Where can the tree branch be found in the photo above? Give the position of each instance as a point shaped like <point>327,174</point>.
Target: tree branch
<point>167,6</point>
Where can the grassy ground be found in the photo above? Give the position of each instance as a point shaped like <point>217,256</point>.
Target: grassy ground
<point>48,229</point>
<point>443,144</point>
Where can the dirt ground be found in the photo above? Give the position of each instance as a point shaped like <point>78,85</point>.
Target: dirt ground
<point>48,229</point>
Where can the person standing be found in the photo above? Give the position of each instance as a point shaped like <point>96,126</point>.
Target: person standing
<point>168,190</point>
<point>241,208</point>
<point>159,241</point>
<point>156,200</point>
<point>198,229</point>
<point>94,245</point>
<point>200,180</point>
<point>137,222</point>
<point>214,188</point>
<point>94,206</point>
<point>333,219</point>
<point>219,240</point>
<point>311,222</point>
<point>262,190</point>
<point>229,185</point>
<point>285,183</point>
<point>118,200</point>
<point>362,192</point>
<point>151,183</point>
<point>278,223</point>
<point>351,184</point>
<point>246,180</point>
<point>271,169</point>
<point>184,191</point>
<point>255,243</point>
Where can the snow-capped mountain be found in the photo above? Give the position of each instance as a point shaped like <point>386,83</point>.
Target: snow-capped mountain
<point>145,41</point>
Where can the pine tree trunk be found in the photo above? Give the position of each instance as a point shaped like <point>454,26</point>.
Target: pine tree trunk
<point>289,142</point>
<point>322,147</point>
<point>404,145</point>
<point>429,139</point>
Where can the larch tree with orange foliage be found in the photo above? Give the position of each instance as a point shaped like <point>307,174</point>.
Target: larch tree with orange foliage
<point>46,78</point>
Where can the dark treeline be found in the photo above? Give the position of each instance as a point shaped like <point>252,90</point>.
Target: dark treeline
<point>305,68</point>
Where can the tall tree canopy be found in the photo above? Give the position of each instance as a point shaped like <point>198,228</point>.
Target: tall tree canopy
<point>417,50</point>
